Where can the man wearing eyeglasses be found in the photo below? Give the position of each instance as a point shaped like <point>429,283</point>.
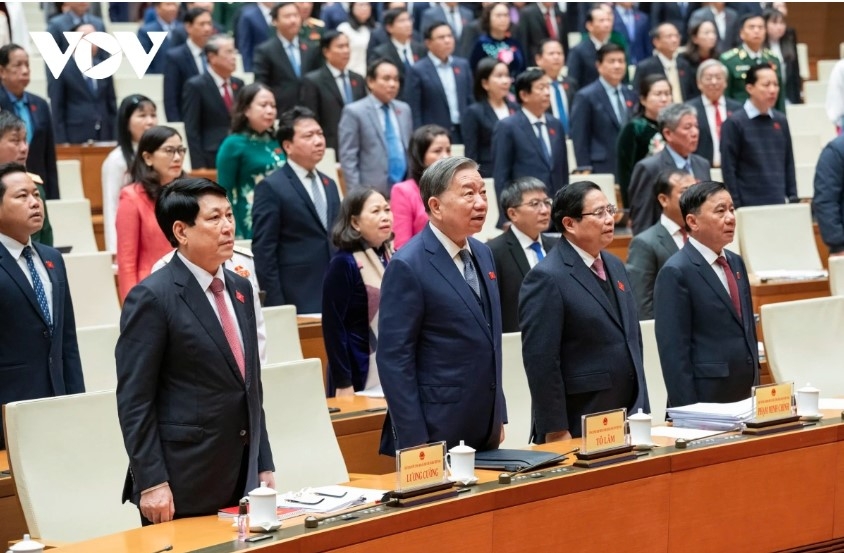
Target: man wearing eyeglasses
<point>581,343</point>
<point>528,208</point>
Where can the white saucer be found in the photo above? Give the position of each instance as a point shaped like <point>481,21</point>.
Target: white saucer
<point>272,528</point>
<point>644,447</point>
<point>815,417</point>
<point>469,482</point>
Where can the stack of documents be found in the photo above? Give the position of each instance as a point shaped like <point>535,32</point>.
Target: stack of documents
<point>327,499</point>
<point>712,416</point>
<point>791,274</point>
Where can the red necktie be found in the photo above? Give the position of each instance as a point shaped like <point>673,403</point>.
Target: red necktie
<point>229,327</point>
<point>227,97</point>
<point>685,234</point>
<point>550,25</point>
<point>718,120</point>
<point>731,283</point>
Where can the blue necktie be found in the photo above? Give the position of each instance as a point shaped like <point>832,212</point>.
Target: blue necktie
<point>291,53</point>
<point>22,109</point>
<point>469,272</point>
<point>39,287</point>
<point>396,162</point>
<point>561,107</point>
<point>204,59</point>
<point>537,248</point>
<point>542,145</point>
<point>319,202</point>
<point>347,88</point>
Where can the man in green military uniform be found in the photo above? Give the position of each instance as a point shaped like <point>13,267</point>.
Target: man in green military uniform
<point>750,53</point>
<point>312,28</point>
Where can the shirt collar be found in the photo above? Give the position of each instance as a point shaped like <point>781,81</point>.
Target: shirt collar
<point>721,101</point>
<point>750,52</point>
<point>665,61</point>
<point>194,49</point>
<point>587,258</point>
<point>286,43</point>
<point>300,171</point>
<point>24,98</point>
<point>597,43</point>
<point>15,248</point>
<point>334,71</point>
<point>608,87</point>
<point>399,45</point>
<point>448,243</point>
<point>708,255</point>
<point>524,240</point>
<point>438,62</point>
<point>218,80</point>
<point>752,111</point>
<point>202,276</point>
<point>672,227</point>
<point>533,118</point>
<point>679,160</point>
<point>164,25</point>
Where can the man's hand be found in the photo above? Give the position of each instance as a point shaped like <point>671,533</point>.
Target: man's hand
<point>501,436</point>
<point>269,477</point>
<point>557,436</point>
<point>344,392</point>
<point>157,505</point>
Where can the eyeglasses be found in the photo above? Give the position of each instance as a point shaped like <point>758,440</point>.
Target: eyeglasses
<point>602,211</point>
<point>171,151</point>
<point>537,204</point>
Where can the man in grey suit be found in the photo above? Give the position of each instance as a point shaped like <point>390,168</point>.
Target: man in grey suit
<point>374,132</point>
<point>651,249</point>
<point>679,126</point>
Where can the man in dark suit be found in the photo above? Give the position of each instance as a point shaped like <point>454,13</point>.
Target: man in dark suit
<point>581,343</point>
<point>540,21</point>
<point>705,330</point>
<point>207,102</point>
<point>551,59</point>
<point>326,90</point>
<point>40,357</point>
<point>187,60</point>
<point>679,126</point>
<point>600,110</point>
<point>189,394</point>
<point>35,113</point>
<point>676,13</point>
<point>650,249</point>
<point>282,60</point>
<point>400,49</point>
<point>254,26</point>
<point>333,14</point>
<point>713,108</point>
<point>439,325</point>
<point>457,17</point>
<point>828,201</point>
<point>530,143</point>
<point>77,14</point>
<point>165,21</point>
<point>292,216</point>
<point>582,59</point>
<point>634,26</point>
<point>667,62</point>
<point>439,86</point>
<point>83,108</point>
<point>522,246</point>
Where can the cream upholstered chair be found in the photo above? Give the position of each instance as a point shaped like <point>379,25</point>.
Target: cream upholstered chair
<point>805,177</point>
<point>96,352</point>
<point>458,150</point>
<point>825,68</point>
<point>305,449</point>
<point>810,119</point>
<point>328,166</point>
<point>282,334</point>
<point>517,392</point>
<point>570,157</point>
<point>716,174</point>
<point>814,92</point>
<point>803,343</point>
<point>657,394</point>
<point>69,464</point>
<point>151,86</point>
<point>72,226</point>
<point>836,276</point>
<point>490,230</point>
<point>777,237</point>
<point>91,281</point>
<point>605,180</point>
<point>70,179</point>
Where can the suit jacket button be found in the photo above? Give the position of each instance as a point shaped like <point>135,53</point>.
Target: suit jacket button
<point>242,433</point>
<point>749,361</point>
<point>492,386</point>
<point>46,334</point>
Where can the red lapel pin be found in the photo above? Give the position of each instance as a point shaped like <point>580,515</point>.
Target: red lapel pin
<point>776,126</point>
<point>552,132</point>
<point>239,297</point>
<point>491,275</point>
<point>325,181</point>
<point>738,275</point>
<point>49,264</point>
<point>354,82</point>
<point>621,286</point>
<point>630,103</point>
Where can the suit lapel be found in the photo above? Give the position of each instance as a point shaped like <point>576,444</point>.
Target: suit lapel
<point>448,270</point>
<point>196,300</point>
<point>430,73</point>
<point>621,291</point>
<point>330,83</point>
<point>299,187</point>
<point>518,253</point>
<point>664,239</point>
<point>16,274</point>
<point>375,115</point>
<point>708,274</point>
<point>583,274</point>
<point>216,96</point>
<point>605,99</point>
<point>243,321</point>
<point>530,134</point>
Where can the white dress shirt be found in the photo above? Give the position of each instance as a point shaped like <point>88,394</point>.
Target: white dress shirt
<point>338,80</point>
<point>404,50</point>
<point>525,242</point>
<point>16,251</point>
<point>533,119</point>
<point>710,258</point>
<point>588,259</point>
<point>196,53</point>
<point>302,173</point>
<point>709,108</point>
<point>452,248</point>
<point>673,230</point>
<point>445,71</point>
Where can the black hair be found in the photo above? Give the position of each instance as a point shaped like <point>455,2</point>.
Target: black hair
<point>524,81</point>
<point>747,17</point>
<point>142,173</point>
<point>391,15</point>
<point>287,122</point>
<point>645,86</point>
<point>693,53</point>
<point>344,236</point>
<point>372,68</point>
<point>180,202</point>
<point>240,123</point>
<point>482,73</point>
<point>8,169</point>
<point>191,15</point>
<point>6,52</point>
<point>568,202</point>
<point>420,141</point>
<point>129,106</point>
<point>486,15</point>
<point>695,196</point>
<point>429,30</point>
<point>663,181</point>
<point>608,48</point>
<point>542,43</point>
<point>328,37</point>
<point>753,73</point>
<point>355,24</point>
<point>275,9</point>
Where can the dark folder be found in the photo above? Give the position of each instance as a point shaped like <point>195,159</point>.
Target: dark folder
<point>513,460</point>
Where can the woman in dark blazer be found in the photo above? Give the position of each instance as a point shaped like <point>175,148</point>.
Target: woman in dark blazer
<point>492,86</point>
<point>782,41</point>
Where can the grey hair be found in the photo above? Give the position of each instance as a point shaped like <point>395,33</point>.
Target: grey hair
<point>669,117</point>
<point>515,191</point>
<point>214,43</point>
<point>709,64</point>
<point>438,176</point>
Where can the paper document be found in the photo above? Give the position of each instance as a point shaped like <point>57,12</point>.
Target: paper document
<point>793,274</point>
<point>375,391</point>
<point>327,499</point>
<point>712,416</point>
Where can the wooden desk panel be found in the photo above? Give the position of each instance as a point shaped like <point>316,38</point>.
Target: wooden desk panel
<point>359,434</point>
<point>838,469</point>
<point>12,523</point>
<point>313,346</point>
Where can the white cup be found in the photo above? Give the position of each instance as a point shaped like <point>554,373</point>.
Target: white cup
<point>807,401</point>
<point>262,506</point>
<point>640,428</point>
<point>460,460</point>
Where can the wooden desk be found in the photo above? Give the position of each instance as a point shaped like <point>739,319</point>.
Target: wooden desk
<point>358,432</point>
<point>754,494</point>
<point>313,346</point>
<point>12,523</point>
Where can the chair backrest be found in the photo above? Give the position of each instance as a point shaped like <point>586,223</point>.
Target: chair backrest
<point>70,179</point>
<point>803,60</point>
<point>72,226</point>
<point>810,119</point>
<point>282,334</point>
<point>517,392</point>
<point>805,176</point>
<point>778,237</point>
<point>716,174</point>
<point>836,276</point>
<point>69,465</point>
<point>179,126</point>
<point>605,180</point>
<point>825,69</point>
<point>806,146</point>
<point>151,86</point>
<point>803,342</point>
<point>92,288</point>
<point>657,394</point>
<point>328,166</point>
<point>490,230</point>
<point>458,150</point>
<point>96,351</point>
<point>304,445</point>
<point>814,92</point>
<point>570,157</point>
